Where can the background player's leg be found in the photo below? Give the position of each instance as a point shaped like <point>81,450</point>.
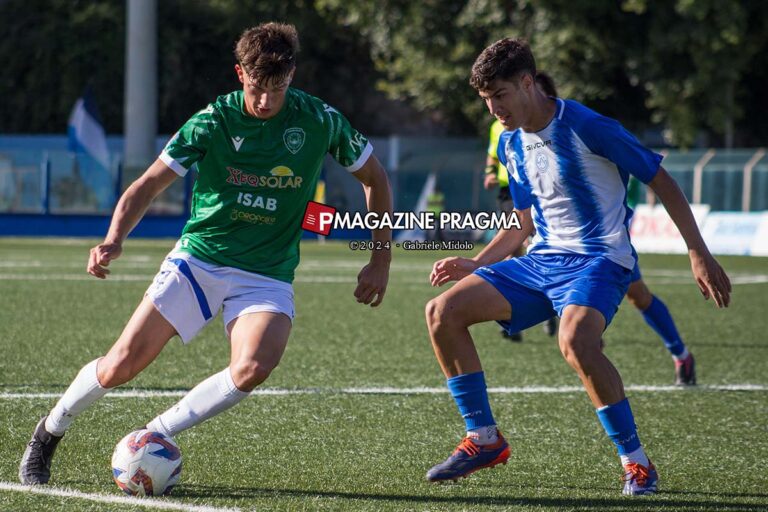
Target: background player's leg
<point>258,342</point>
<point>657,316</point>
<point>145,335</point>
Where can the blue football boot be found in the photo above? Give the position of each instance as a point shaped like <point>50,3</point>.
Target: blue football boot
<point>468,458</point>
<point>639,480</point>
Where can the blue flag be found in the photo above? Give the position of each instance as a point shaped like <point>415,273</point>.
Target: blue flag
<point>85,132</point>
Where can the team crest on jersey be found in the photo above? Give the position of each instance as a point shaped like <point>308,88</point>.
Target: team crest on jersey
<point>294,139</point>
<point>542,162</point>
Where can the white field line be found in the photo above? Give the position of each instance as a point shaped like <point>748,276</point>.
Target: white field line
<point>154,262</point>
<point>147,393</point>
<point>116,500</point>
<point>148,277</point>
<point>676,279</point>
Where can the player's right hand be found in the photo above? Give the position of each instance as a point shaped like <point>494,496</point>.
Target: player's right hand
<point>451,269</point>
<point>100,256</point>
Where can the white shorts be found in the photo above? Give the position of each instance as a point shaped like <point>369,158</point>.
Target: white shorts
<point>189,292</point>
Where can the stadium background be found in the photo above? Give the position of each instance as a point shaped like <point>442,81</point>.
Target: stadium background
<point>687,76</point>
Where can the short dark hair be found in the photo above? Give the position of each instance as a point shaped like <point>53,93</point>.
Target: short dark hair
<point>504,59</point>
<point>268,51</point>
<point>546,83</point>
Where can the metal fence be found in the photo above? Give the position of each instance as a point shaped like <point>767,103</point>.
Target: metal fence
<point>37,175</point>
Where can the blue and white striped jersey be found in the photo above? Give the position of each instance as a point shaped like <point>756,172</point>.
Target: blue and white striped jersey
<point>574,174</point>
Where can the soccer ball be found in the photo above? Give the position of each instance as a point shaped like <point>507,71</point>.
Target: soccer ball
<point>146,463</point>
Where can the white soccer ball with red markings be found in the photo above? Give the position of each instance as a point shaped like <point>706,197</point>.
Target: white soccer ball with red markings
<point>146,463</point>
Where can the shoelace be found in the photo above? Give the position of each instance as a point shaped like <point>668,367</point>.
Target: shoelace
<point>468,447</point>
<point>636,472</point>
<point>37,463</point>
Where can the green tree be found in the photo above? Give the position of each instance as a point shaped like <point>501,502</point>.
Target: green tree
<point>699,54</point>
<point>688,65</point>
<point>49,52</point>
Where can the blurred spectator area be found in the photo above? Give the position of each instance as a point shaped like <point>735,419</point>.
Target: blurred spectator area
<point>38,175</point>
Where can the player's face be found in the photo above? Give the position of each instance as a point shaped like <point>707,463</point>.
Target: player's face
<point>263,99</point>
<point>509,101</point>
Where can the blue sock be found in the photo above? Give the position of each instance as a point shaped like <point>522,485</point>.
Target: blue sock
<point>619,424</point>
<point>658,317</point>
<point>470,394</point>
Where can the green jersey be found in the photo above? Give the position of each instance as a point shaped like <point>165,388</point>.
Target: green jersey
<point>255,177</point>
<point>633,192</point>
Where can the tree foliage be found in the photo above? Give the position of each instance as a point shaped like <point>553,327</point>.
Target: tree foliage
<point>696,68</point>
<point>688,65</point>
<point>51,52</point>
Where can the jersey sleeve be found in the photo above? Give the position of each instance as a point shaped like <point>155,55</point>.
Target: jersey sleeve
<point>347,146</point>
<point>500,152</point>
<point>608,138</point>
<point>190,144</point>
<point>521,196</point>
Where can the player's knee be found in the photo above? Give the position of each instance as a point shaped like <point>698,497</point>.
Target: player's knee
<point>639,296</point>
<point>249,374</point>
<point>437,314</point>
<point>576,349</point>
<point>113,372</point>
<point>433,312</point>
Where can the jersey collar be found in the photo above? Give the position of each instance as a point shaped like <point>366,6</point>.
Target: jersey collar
<point>276,119</point>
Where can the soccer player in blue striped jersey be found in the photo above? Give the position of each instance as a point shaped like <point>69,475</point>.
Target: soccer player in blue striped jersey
<point>568,169</point>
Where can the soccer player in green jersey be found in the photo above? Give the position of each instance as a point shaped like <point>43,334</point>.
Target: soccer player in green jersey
<point>258,152</point>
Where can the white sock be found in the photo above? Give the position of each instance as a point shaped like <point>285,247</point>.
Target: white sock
<point>215,394</point>
<point>683,356</point>
<point>83,391</point>
<point>484,435</point>
<point>638,456</point>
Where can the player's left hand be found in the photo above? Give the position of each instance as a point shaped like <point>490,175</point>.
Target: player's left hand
<point>451,269</point>
<point>372,283</point>
<point>711,278</point>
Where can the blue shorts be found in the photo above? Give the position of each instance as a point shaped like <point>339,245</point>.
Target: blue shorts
<point>636,275</point>
<point>539,285</point>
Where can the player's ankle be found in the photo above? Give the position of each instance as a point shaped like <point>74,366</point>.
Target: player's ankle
<point>484,435</point>
<point>682,356</point>
<point>637,456</point>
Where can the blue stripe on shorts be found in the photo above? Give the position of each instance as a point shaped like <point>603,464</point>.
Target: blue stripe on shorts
<point>183,267</point>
